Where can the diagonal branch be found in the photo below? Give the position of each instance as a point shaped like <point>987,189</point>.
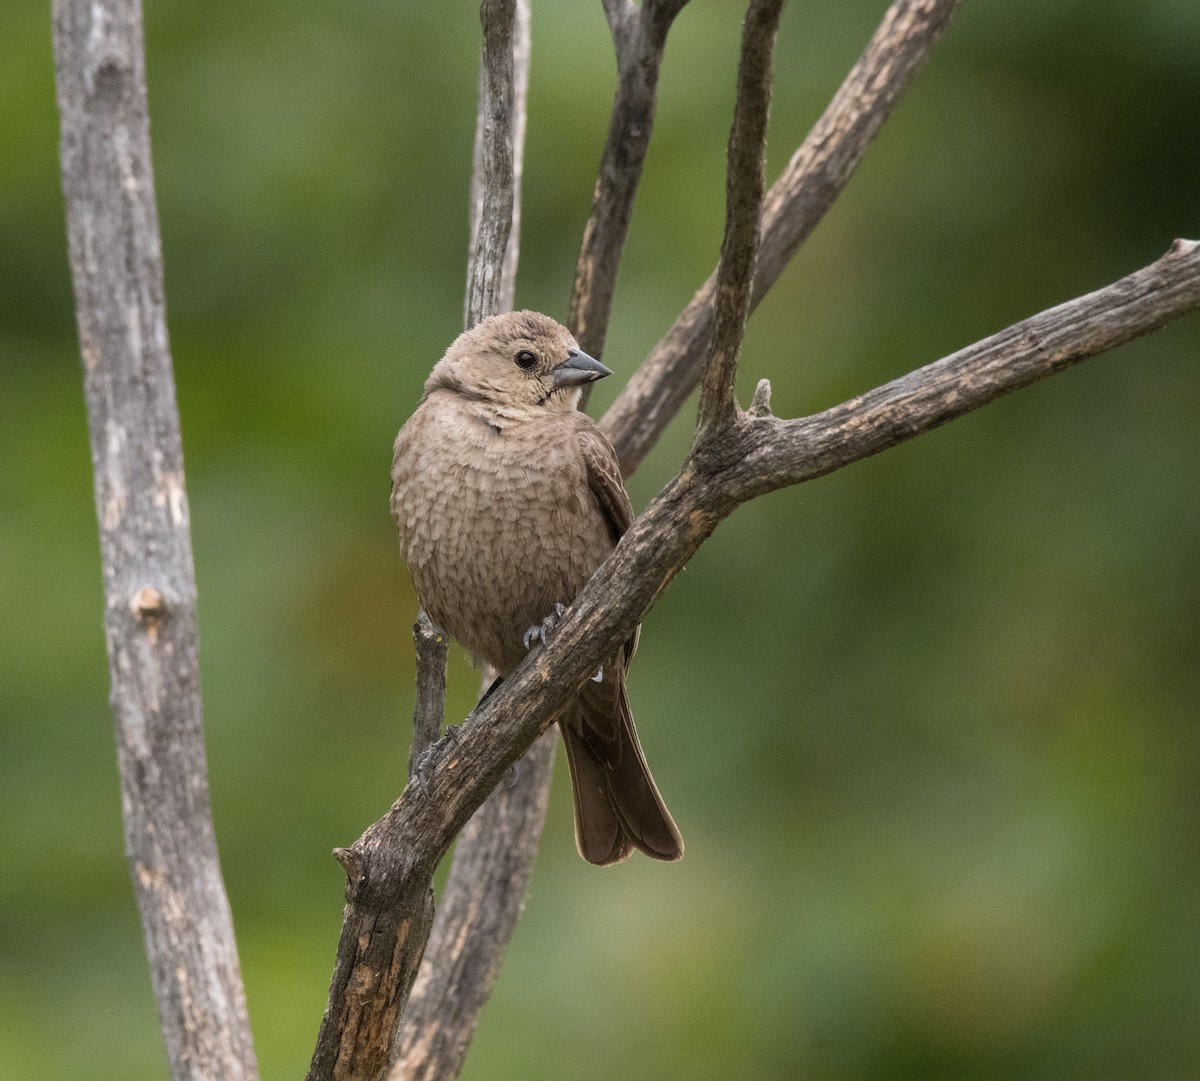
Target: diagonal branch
<point>639,36</point>
<point>743,207</point>
<point>771,454</point>
<point>393,862</point>
<point>813,179</point>
<point>787,452</point>
<point>141,503</point>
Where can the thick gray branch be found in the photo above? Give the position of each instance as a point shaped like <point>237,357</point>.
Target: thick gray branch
<point>149,582</point>
<point>743,206</point>
<point>813,179</point>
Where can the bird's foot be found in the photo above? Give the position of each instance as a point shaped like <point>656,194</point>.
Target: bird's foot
<point>599,676</point>
<point>513,775</point>
<point>427,759</point>
<point>539,632</point>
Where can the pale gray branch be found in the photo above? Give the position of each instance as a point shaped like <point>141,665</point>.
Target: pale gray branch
<point>141,503</point>
<point>815,176</point>
<point>485,269</point>
<point>479,171</point>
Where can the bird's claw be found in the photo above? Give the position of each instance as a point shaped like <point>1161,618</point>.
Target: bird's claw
<point>539,632</point>
<point>427,759</point>
<point>599,676</point>
<point>513,775</point>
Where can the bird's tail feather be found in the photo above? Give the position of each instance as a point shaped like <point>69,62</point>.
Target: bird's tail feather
<point>617,804</point>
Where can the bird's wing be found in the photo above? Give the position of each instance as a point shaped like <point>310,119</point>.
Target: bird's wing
<point>604,479</point>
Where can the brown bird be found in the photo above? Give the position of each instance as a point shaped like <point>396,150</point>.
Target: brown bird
<point>507,499</point>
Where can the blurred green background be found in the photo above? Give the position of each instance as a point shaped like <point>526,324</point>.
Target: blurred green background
<point>929,725</point>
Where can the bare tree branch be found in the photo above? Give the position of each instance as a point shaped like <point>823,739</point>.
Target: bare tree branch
<point>398,854</point>
<point>480,173</point>
<point>361,1031</point>
<point>706,490</point>
<point>487,262</point>
<point>430,705</point>
<point>494,856</point>
<point>786,452</point>
<point>813,179</point>
<point>476,917</point>
<point>141,503</point>
<point>639,36</point>
<point>743,206</point>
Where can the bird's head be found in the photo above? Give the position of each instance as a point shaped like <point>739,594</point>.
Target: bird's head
<point>517,360</point>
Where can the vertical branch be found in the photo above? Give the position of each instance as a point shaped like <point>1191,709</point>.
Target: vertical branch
<point>521,48</point>
<point>149,581</point>
<point>494,856</point>
<point>379,957</point>
<point>430,705</point>
<point>485,270</point>
<point>743,205</point>
<point>639,36</point>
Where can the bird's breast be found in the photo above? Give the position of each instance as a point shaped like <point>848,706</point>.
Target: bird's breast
<point>496,527</point>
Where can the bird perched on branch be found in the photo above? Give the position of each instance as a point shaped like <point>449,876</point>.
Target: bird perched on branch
<point>507,499</point>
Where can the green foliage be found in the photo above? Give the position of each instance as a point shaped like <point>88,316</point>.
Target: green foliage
<point>928,725</point>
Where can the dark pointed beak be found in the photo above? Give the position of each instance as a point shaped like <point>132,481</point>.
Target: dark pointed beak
<point>578,369</point>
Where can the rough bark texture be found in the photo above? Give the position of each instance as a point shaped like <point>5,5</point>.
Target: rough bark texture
<point>480,174</point>
<point>797,201</point>
<point>430,705</point>
<point>639,35</point>
<point>743,209</point>
<point>149,582</point>
<point>486,267</point>
<point>476,917</point>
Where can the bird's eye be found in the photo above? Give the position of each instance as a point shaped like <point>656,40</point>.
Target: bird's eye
<point>525,359</point>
